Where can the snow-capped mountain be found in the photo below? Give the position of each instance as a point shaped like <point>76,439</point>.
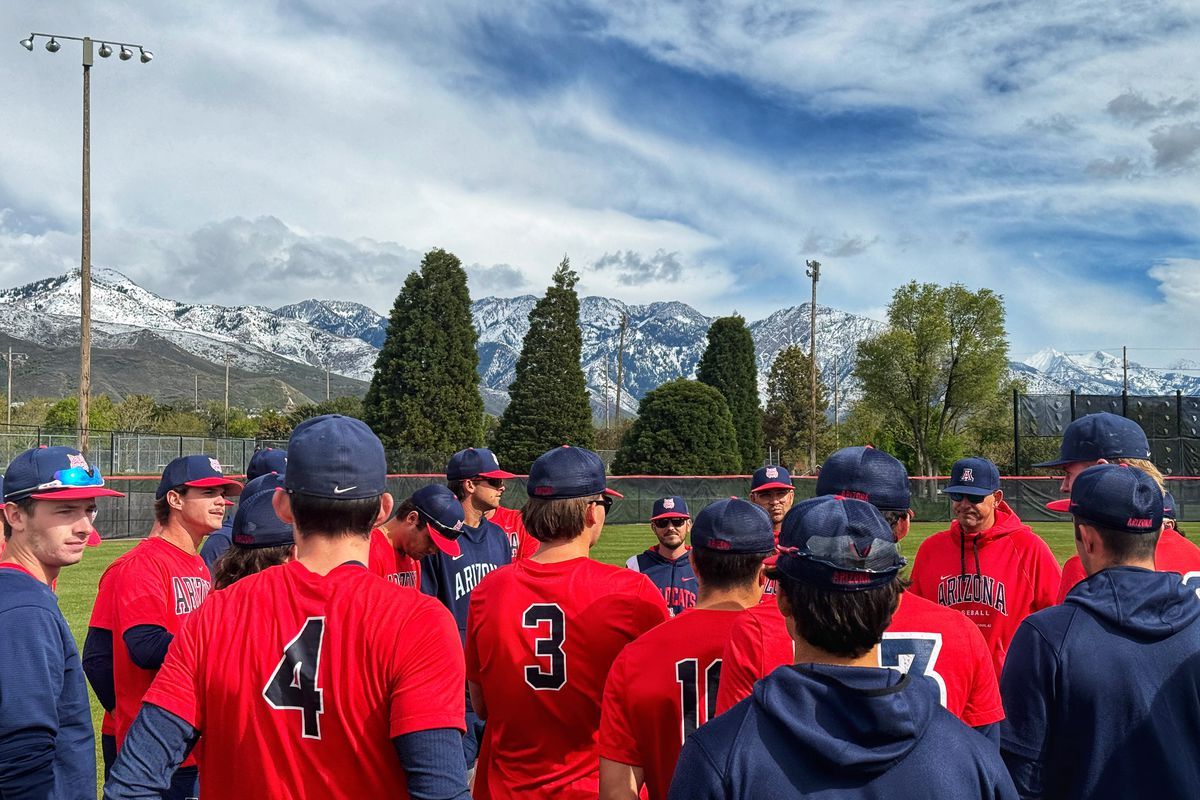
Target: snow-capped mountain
<point>1102,373</point>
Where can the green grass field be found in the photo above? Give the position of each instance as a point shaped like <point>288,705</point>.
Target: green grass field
<point>77,585</point>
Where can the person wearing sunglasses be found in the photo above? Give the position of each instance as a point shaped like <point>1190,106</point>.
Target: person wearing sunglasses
<point>989,565</point>
<point>47,744</point>
<point>666,563</point>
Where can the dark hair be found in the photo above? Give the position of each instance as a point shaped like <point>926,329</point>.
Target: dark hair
<point>555,520</point>
<point>459,488</point>
<point>406,507</point>
<point>239,562</point>
<point>162,509</point>
<point>894,518</point>
<point>717,570</point>
<point>1124,547</point>
<point>25,504</point>
<point>846,624</point>
<point>326,516</point>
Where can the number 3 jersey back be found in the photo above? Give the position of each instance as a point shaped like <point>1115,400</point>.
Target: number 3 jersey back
<point>540,641</point>
<point>298,682</point>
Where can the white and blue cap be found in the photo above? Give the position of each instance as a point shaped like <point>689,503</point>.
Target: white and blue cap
<point>974,476</point>
<point>838,544</point>
<point>733,526</point>
<point>567,472</point>
<point>335,457</point>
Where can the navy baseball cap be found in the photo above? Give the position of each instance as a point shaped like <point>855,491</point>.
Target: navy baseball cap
<point>198,470</point>
<point>976,476</point>
<point>838,544</point>
<point>263,483</point>
<point>265,460</point>
<point>1096,436</point>
<point>733,526</point>
<point>1168,505</point>
<point>566,472</point>
<point>1115,496</point>
<point>443,516</point>
<point>475,462</point>
<point>770,477</point>
<point>336,457</point>
<point>864,473</point>
<point>257,525</point>
<point>61,473</point>
<point>669,507</point>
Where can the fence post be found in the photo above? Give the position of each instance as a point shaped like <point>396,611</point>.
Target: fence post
<point>1072,405</point>
<point>1016,435</point>
<point>1179,431</point>
<point>1125,403</point>
<point>181,447</point>
<point>112,452</point>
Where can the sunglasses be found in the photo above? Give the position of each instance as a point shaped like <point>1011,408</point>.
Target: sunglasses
<point>495,483</point>
<point>72,478</point>
<point>606,501</point>
<point>973,499</point>
<point>669,522</point>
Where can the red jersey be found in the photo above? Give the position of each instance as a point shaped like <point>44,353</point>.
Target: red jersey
<point>938,642</point>
<point>298,682</point>
<point>661,688</point>
<point>104,618</point>
<point>540,641</point>
<point>997,577</point>
<point>513,524</point>
<point>1174,553</point>
<point>390,564</point>
<point>159,584</point>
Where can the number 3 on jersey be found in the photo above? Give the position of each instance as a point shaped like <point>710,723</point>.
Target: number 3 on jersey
<point>917,652</point>
<point>548,617</point>
<point>294,684</point>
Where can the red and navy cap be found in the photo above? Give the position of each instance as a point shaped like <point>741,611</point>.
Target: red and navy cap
<point>475,462</point>
<point>770,477</point>
<point>1115,496</point>
<point>733,526</point>
<point>567,472</point>
<point>838,544</point>
<point>864,473</point>
<point>443,516</point>
<point>1096,436</point>
<point>673,507</point>
<point>199,470</point>
<point>59,473</point>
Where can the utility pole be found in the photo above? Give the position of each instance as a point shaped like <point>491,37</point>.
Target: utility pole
<point>621,365</point>
<point>196,394</point>
<point>226,397</point>
<point>8,397</point>
<point>326,383</point>
<point>814,272</point>
<point>837,381</point>
<point>1125,368</point>
<point>607,388</point>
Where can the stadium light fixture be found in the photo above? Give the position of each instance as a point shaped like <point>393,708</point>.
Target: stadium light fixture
<point>85,260</point>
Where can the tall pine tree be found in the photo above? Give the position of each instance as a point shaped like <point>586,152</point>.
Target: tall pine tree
<point>424,395</point>
<point>728,366</point>
<point>683,428</point>
<point>548,400</point>
<point>789,408</point>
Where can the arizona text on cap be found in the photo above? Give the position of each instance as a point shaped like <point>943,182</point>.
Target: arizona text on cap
<point>443,516</point>
<point>335,457</point>
<point>198,470</point>
<point>1103,435</point>
<point>475,462</point>
<point>567,472</point>
<point>733,526</point>
<point>864,473</point>
<point>61,473</point>
<point>1115,496</point>
<point>838,544</point>
<point>974,476</point>
<point>673,507</point>
<point>770,477</point>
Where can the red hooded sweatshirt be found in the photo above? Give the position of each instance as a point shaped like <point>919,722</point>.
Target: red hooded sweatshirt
<point>996,577</point>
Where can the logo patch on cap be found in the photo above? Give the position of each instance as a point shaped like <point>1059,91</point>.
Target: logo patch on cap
<point>77,460</point>
<point>668,503</point>
<point>1139,523</point>
<point>216,465</point>
<point>772,472</point>
<point>968,475</point>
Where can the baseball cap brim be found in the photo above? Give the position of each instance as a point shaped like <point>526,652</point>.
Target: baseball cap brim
<point>235,488</point>
<point>614,493</point>
<point>93,539</point>
<point>448,546</point>
<point>497,473</point>
<point>671,515</point>
<point>975,490</point>
<point>774,485</point>
<point>80,493</point>
<point>1063,506</point>
<point>1058,462</point>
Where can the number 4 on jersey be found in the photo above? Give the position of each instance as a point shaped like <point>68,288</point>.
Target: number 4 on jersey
<point>294,684</point>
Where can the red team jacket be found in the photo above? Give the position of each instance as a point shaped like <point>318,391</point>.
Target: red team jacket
<point>997,578</point>
<point>661,688</point>
<point>935,641</point>
<point>540,641</point>
<point>1174,553</point>
<point>390,564</point>
<point>303,681</point>
<point>159,584</point>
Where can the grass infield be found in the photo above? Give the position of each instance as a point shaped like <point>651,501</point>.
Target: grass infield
<point>77,585</point>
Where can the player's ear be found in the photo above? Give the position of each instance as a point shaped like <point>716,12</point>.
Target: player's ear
<point>14,514</point>
<point>282,503</point>
<point>386,504</point>
<point>999,495</point>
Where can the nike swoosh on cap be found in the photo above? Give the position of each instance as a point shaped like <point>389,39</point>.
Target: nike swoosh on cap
<point>340,490</point>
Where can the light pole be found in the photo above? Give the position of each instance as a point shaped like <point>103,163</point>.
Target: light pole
<point>8,397</point>
<point>85,260</point>
<point>814,272</point>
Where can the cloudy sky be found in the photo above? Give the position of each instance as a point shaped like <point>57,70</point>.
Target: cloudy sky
<point>694,151</point>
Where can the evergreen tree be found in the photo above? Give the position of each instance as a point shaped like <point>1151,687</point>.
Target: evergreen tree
<point>424,395</point>
<point>728,366</point>
<point>548,400</point>
<point>683,428</point>
<point>789,408</point>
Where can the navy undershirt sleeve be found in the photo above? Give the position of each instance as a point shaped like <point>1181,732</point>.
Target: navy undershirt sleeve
<point>156,745</point>
<point>433,764</point>
<point>147,645</point>
<point>98,666</point>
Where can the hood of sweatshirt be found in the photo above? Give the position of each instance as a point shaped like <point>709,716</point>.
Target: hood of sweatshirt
<point>855,718</point>
<point>659,558</point>
<point>1139,602</point>
<point>1005,523</point>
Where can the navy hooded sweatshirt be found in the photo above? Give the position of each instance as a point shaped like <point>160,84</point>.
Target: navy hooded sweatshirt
<point>820,731</point>
<point>674,578</point>
<point>1102,693</point>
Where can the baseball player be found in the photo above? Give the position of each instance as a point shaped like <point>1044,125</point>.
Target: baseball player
<point>511,522</point>
<point>989,565</point>
<point>835,724</point>
<point>1100,692</point>
<point>663,685</point>
<point>771,489</point>
<point>316,678</point>
<point>1111,439</point>
<point>260,538</point>
<point>667,563</point>
<point>161,583</point>
<point>428,522</point>
<point>923,636</point>
<point>264,460</point>
<point>543,633</point>
<point>47,747</point>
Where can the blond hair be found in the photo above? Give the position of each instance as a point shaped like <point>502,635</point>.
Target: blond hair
<point>1148,468</point>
